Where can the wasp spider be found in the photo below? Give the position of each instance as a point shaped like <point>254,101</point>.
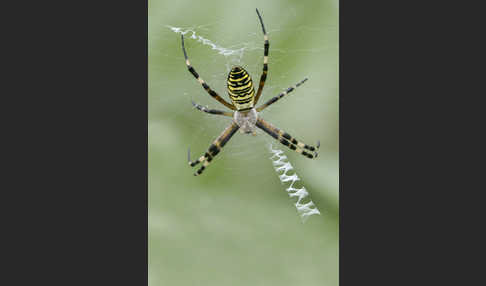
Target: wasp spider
<point>244,114</point>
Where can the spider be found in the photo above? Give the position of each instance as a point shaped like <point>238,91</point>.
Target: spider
<point>245,115</point>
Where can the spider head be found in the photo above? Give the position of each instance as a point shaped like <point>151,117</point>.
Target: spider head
<point>240,88</point>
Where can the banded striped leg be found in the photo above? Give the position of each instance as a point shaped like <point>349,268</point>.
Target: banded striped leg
<point>274,99</point>
<point>286,139</point>
<point>202,82</point>
<point>211,111</point>
<point>266,45</point>
<point>213,149</point>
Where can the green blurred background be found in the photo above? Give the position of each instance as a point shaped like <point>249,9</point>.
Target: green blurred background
<point>235,224</point>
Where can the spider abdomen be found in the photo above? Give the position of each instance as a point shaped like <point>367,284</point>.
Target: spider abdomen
<point>240,88</point>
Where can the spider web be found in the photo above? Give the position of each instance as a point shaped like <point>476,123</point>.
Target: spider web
<point>234,55</point>
<point>283,167</point>
<point>256,190</point>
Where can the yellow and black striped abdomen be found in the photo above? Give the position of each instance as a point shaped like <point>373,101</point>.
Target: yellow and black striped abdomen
<point>240,88</point>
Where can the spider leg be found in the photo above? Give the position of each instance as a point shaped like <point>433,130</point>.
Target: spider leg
<point>266,45</point>
<point>214,148</point>
<point>202,82</point>
<point>286,139</point>
<point>274,99</point>
<point>211,111</point>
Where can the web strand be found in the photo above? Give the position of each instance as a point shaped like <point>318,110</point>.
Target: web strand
<point>282,166</point>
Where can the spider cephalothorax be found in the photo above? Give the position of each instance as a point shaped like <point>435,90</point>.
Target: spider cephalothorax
<point>246,120</point>
<point>245,115</point>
